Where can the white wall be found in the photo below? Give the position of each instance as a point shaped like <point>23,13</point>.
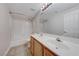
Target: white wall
<point>5,29</point>
<point>21,31</point>
<point>37,26</point>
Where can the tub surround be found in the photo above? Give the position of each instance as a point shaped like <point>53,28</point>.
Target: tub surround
<point>60,45</point>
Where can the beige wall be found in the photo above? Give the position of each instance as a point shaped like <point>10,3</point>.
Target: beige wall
<point>5,29</point>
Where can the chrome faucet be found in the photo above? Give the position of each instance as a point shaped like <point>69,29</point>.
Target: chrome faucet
<point>58,39</point>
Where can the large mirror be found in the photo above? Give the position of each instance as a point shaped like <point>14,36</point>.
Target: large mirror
<point>61,19</point>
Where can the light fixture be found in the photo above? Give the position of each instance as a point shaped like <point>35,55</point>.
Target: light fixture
<point>45,6</point>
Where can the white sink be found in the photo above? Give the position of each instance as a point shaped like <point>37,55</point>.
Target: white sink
<point>53,42</point>
<point>58,45</point>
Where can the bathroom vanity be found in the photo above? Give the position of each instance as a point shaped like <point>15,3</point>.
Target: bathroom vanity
<point>53,45</point>
<point>38,49</point>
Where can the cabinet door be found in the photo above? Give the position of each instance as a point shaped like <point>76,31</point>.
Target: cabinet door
<point>47,52</point>
<point>32,46</point>
<point>38,50</point>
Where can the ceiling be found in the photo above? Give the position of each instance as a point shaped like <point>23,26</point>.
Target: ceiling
<point>30,9</point>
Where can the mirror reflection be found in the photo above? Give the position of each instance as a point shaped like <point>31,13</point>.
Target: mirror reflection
<point>61,19</point>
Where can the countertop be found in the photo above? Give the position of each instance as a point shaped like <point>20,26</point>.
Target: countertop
<point>68,46</point>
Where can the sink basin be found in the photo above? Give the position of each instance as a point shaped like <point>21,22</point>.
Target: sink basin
<point>58,45</point>
<point>55,41</point>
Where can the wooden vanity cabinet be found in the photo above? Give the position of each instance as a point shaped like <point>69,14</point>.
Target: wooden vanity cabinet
<point>32,46</point>
<point>47,52</point>
<point>35,47</point>
<point>38,49</point>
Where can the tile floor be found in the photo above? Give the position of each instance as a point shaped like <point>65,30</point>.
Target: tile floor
<point>21,50</point>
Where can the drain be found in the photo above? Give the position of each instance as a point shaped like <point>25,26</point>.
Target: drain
<point>56,47</point>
